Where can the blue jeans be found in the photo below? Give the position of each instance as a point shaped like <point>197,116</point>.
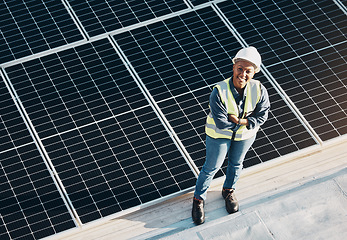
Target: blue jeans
<point>216,150</point>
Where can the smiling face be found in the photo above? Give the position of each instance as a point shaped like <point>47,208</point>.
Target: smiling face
<point>243,72</point>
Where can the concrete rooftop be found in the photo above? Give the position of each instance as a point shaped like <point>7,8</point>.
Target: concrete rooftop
<point>299,196</point>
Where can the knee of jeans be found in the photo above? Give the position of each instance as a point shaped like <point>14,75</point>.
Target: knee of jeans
<point>238,165</point>
<point>209,171</point>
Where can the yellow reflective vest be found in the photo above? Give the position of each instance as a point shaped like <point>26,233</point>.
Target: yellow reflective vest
<point>253,93</point>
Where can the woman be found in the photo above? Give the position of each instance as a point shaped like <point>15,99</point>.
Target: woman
<point>238,107</point>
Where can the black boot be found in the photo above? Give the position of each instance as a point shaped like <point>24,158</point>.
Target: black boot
<point>231,203</point>
<point>198,213</point>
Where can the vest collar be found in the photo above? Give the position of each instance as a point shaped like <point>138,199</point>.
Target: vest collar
<point>235,93</point>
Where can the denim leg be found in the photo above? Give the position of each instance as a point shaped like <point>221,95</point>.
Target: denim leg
<point>216,150</point>
<point>236,155</point>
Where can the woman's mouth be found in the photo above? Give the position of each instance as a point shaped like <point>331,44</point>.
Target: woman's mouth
<point>242,80</point>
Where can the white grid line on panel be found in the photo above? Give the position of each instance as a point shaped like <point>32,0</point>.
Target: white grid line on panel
<point>199,47</point>
<point>10,136</point>
<point>255,151</point>
<point>284,130</point>
<point>303,14</point>
<point>108,3</point>
<point>40,96</point>
<point>32,21</point>
<point>147,57</point>
<point>35,36</point>
<point>43,36</point>
<point>311,89</point>
<point>96,16</point>
<point>331,22</point>
<point>273,142</point>
<point>87,39</point>
<point>80,175</point>
<point>214,36</point>
<point>174,1</point>
<point>5,225</point>
<point>75,19</point>
<point>151,62</point>
<point>146,2</point>
<point>156,149</point>
<point>17,195</point>
<point>24,38</point>
<point>321,58</point>
<point>279,33</point>
<point>7,44</point>
<point>308,53</point>
<point>294,108</point>
<point>288,19</point>
<point>111,5</point>
<point>16,100</point>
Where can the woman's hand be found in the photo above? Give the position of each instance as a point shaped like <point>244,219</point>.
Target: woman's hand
<point>233,118</point>
<point>237,120</point>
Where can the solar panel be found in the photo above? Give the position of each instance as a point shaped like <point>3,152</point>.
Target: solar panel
<point>30,27</point>
<point>31,206</point>
<point>304,47</point>
<point>105,141</point>
<point>180,59</point>
<point>98,17</point>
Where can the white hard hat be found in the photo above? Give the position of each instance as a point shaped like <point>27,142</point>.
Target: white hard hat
<point>249,54</point>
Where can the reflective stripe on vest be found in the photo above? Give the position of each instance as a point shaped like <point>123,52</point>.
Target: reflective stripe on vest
<point>253,93</point>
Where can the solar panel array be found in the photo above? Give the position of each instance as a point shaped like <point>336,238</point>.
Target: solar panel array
<point>103,103</point>
<point>31,205</point>
<point>108,146</point>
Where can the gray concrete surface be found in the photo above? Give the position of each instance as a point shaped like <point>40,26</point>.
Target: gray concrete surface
<point>316,209</point>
